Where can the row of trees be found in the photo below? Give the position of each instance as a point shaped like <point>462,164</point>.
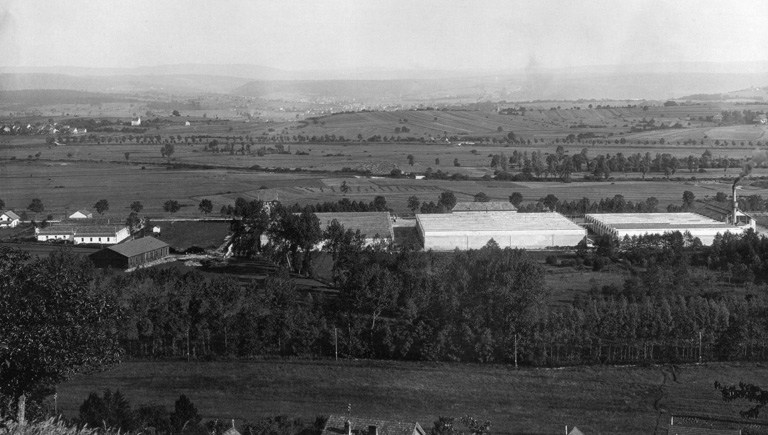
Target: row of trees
<point>485,305</point>
<point>561,164</point>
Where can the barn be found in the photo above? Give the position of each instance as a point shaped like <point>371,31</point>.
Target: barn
<point>130,254</point>
<point>371,224</point>
<point>449,231</point>
<point>622,225</point>
<point>9,219</point>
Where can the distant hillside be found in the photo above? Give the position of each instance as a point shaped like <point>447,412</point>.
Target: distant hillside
<point>38,97</point>
<point>127,83</point>
<point>536,84</point>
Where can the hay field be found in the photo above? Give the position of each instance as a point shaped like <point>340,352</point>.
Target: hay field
<point>627,400</point>
<point>67,186</point>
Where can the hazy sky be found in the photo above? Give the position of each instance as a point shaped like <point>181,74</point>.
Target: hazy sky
<point>378,34</point>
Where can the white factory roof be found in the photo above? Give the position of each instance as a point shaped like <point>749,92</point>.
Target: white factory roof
<point>495,222</point>
<point>656,221</point>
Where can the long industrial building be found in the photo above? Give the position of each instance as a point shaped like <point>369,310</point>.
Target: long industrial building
<point>620,225</point>
<point>449,231</point>
<point>371,224</point>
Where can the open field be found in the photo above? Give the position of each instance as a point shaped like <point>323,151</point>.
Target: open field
<point>608,400</point>
<point>67,186</point>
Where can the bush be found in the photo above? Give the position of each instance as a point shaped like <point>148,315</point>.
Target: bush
<point>551,260</point>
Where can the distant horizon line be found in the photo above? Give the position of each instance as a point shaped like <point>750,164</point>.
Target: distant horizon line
<point>373,69</point>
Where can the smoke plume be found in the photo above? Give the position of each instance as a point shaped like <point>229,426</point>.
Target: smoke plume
<point>758,158</point>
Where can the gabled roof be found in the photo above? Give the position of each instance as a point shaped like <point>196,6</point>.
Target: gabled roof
<point>484,206</point>
<point>138,246</point>
<point>10,214</point>
<point>575,431</point>
<point>360,426</point>
<point>83,212</point>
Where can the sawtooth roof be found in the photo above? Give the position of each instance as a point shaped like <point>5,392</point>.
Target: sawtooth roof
<point>483,206</point>
<point>496,222</point>
<point>660,221</point>
<point>369,223</point>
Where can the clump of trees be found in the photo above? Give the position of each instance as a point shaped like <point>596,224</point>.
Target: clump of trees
<point>52,325</point>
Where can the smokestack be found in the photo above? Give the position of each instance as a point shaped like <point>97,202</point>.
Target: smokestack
<point>373,430</point>
<point>735,205</point>
<point>348,427</point>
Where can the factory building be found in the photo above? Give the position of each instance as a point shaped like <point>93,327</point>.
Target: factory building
<point>472,230</point>
<point>622,225</point>
<point>484,207</point>
<point>371,224</point>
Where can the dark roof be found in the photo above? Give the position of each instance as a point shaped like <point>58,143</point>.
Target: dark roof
<point>369,223</point>
<point>484,206</point>
<point>685,430</point>
<point>138,246</point>
<point>360,425</point>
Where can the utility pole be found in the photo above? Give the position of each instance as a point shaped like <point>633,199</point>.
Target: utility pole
<point>699,347</point>
<point>336,342</point>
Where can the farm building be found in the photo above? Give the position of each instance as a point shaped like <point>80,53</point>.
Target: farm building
<point>371,224</point>
<point>484,207</point>
<point>620,225</point>
<point>97,232</point>
<point>9,219</point>
<point>446,232</point>
<point>131,254</point>
<point>81,214</point>
<point>344,425</point>
<point>136,121</point>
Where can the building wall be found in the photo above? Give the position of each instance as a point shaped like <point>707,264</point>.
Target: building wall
<point>149,256</point>
<point>47,237</point>
<point>6,221</point>
<point>448,241</point>
<point>104,240</point>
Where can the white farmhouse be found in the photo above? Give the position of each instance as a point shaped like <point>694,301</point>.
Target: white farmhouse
<point>9,219</point>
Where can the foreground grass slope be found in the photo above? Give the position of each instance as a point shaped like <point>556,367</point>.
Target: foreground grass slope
<point>628,400</point>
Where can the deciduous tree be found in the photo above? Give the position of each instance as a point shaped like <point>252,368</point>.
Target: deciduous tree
<point>53,324</point>
<point>101,206</point>
<point>206,206</point>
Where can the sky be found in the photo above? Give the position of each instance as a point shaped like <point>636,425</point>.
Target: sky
<point>344,35</point>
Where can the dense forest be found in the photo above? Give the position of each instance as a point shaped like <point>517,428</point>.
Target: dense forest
<point>487,305</point>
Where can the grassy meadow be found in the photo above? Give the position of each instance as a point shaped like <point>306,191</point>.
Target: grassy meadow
<point>599,400</point>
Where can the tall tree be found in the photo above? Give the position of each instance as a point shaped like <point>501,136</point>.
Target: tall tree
<point>171,206</point>
<point>413,203</point>
<point>447,200</point>
<point>101,206</point>
<point>136,207</point>
<point>36,206</point>
<point>53,324</point>
<point>206,206</point>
